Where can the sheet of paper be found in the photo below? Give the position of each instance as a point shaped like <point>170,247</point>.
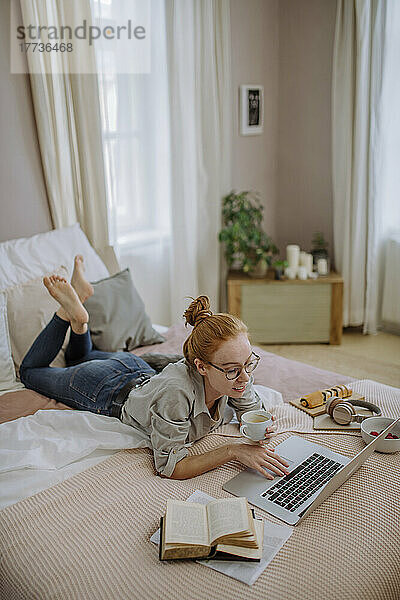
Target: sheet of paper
<point>274,538</point>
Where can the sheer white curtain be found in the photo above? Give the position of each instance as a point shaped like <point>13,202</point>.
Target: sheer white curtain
<point>167,148</point>
<point>136,141</point>
<point>201,125</point>
<point>366,138</point>
<point>383,299</point>
<point>67,115</point>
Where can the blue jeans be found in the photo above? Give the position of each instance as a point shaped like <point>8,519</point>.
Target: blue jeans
<point>91,380</point>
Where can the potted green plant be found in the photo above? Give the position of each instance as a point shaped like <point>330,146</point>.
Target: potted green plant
<point>280,266</point>
<point>319,247</point>
<point>247,246</point>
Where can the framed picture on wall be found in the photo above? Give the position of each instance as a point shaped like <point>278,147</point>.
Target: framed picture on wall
<point>251,109</point>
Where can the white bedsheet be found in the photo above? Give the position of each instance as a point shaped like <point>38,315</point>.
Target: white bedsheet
<point>41,450</point>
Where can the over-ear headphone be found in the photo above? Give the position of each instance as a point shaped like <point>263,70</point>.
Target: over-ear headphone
<point>342,411</point>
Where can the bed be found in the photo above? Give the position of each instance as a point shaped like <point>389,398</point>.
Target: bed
<point>82,528</point>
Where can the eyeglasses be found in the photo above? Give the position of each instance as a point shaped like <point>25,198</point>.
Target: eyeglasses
<point>234,373</point>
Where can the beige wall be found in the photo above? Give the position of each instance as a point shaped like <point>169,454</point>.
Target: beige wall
<point>23,204</point>
<point>304,201</point>
<point>255,29</point>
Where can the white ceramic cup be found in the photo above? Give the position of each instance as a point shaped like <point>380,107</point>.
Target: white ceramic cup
<point>255,424</point>
<point>302,273</point>
<point>291,272</point>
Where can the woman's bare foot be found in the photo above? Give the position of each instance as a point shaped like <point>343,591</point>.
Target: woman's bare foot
<point>83,288</point>
<point>67,297</point>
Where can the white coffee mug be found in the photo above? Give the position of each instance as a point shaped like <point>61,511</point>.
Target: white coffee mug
<point>255,424</point>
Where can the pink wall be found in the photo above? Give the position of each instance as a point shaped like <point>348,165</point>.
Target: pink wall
<point>304,200</point>
<point>255,29</point>
<point>23,203</point>
<point>287,46</point>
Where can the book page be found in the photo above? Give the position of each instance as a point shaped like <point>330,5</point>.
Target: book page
<point>247,552</point>
<point>186,523</point>
<point>227,516</point>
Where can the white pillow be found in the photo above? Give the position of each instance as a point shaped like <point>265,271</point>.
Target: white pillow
<point>7,372</point>
<point>23,259</point>
<point>29,308</point>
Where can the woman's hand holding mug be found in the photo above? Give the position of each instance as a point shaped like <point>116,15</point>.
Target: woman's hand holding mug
<point>257,425</point>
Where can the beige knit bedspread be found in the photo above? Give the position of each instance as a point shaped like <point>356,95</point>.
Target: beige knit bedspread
<point>88,537</point>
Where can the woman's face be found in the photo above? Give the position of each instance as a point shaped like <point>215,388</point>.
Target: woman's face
<point>235,352</point>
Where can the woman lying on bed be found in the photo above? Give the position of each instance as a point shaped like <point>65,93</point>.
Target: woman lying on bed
<point>171,409</point>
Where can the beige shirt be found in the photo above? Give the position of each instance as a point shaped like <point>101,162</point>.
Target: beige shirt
<point>171,410</point>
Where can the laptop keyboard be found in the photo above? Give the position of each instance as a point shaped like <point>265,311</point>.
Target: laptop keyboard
<point>301,483</point>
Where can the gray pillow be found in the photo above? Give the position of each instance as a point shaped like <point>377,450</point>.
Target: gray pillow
<point>117,317</point>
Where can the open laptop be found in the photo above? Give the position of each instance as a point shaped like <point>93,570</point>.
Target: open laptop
<point>315,472</point>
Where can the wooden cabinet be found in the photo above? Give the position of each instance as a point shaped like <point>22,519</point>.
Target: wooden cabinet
<point>289,311</point>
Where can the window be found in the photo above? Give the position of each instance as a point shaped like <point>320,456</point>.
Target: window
<point>135,122</point>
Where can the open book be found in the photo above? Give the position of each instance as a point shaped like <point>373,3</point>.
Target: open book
<point>223,528</point>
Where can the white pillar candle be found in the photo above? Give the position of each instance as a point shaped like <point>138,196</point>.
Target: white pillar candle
<point>309,263</point>
<point>292,255</point>
<point>303,259</point>
<point>322,266</point>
